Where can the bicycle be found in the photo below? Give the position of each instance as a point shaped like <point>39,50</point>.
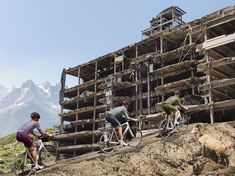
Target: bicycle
<point>109,140</point>
<point>167,124</point>
<point>46,156</point>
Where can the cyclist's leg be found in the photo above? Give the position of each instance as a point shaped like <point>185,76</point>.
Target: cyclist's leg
<point>116,125</point>
<point>170,111</point>
<point>28,143</point>
<point>177,115</point>
<point>33,152</point>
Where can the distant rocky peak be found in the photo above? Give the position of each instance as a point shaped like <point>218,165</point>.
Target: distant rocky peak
<point>28,84</point>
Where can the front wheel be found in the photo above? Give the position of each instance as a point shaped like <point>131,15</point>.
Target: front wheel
<point>47,155</point>
<point>183,120</point>
<point>134,140</point>
<point>107,142</point>
<point>164,132</point>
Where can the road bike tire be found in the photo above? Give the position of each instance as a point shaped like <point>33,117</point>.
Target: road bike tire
<point>47,155</point>
<point>183,121</point>
<point>186,119</point>
<point>163,131</point>
<point>106,144</point>
<point>133,141</point>
<point>18,167</point>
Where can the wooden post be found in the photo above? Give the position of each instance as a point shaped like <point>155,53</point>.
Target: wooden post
<point>148,81</point>
<point>95,99</point>
<point>208,78</point>
<point>136,82</point>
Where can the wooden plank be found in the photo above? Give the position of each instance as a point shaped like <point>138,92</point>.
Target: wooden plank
<point>217,84</point>
<point>218,41</point>
<point>158,57</point>
<point>116,100</point>
<point>76,134</point>
<point>185,83</point>
<point>216,63</point>
<point>76,98</point>
<point>81,110</point>
<point>176,67</point>
<point>216,106</point>
<point>80,123</point>
<point>78,147</point>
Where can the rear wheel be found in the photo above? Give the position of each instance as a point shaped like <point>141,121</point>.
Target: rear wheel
<point>135,140</point>
<point>107,142</point>
<point>163,131</point>
<point>47,155</point>
<point>19,167</point>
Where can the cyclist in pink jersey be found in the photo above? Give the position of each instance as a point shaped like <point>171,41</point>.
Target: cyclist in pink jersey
<point>22,135</point>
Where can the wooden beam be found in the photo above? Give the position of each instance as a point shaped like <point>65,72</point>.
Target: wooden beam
<point>185,83</point>
<point>81,110</point>
<point>76,134</point>
<point>78,147</point>
<point>216,63</point>
<point>218,74</point>
<point>186,65</point>
<point>217,83</point>
<point>218,41</point>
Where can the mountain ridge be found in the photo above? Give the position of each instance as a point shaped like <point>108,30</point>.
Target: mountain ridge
<point>18,103</point>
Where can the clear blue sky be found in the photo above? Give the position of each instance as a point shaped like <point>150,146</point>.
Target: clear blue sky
<point>38,38</point>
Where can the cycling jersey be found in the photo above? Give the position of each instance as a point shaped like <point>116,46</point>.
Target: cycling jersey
<point>29,126</point>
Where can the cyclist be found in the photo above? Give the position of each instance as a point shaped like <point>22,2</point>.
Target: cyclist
<point>172,105</point>
<point>119,112</point>
<point>22,135</point>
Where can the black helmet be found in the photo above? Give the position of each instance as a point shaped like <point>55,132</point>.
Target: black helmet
<point>35,114</point>
<point>125,102</point>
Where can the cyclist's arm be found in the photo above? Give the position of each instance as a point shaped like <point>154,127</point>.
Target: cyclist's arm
<point>181,106</point>
<point>40,130</point>
<point>127,116</point>
<point>179,103</point>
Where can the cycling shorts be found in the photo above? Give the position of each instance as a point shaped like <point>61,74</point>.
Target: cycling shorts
<point>168,108</point>
<point>113,120</point>
<point>23,137</point>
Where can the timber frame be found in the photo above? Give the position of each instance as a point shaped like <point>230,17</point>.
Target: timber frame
<point>197,58</point>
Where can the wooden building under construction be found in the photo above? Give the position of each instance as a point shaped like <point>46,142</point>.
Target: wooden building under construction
<point>197,58</point>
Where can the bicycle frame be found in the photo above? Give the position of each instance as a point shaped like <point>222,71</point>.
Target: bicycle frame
<point>124,133</point>
<point>170,123</point>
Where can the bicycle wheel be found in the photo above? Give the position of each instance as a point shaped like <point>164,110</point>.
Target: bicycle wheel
<point>135,140</point>
<point>47,155</point>
<point>20,165</point>
<point>186,119</point>
<point>163,131</point>
<point>183,120</point>
<point>107,142</point>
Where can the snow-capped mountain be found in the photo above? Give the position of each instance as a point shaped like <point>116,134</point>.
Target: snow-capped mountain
<point>16,106</point>
<point>3,91</point>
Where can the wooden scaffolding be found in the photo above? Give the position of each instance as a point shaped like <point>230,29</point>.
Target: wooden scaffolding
<point>197,58</point>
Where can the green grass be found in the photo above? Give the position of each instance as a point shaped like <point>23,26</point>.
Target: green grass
<point>9,147</point>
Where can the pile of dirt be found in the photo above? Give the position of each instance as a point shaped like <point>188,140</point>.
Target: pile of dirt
<point>178,154</point>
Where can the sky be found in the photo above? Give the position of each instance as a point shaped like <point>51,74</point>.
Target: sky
<point>38,38</point>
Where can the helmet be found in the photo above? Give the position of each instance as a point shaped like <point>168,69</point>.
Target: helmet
<point>35,114</point>
<point>125,102</point>
<point>177,92</point>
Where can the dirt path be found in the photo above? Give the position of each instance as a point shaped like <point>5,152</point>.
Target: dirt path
<point>177,155</point>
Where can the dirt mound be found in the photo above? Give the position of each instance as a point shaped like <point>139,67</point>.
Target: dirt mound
<point>179,154</point>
